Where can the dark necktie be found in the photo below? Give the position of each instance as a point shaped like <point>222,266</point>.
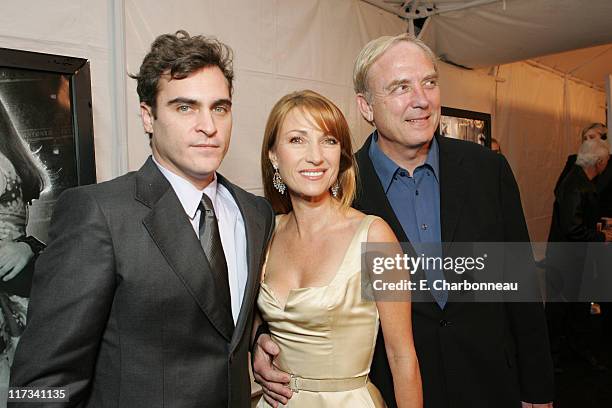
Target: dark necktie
<point>211,243</point>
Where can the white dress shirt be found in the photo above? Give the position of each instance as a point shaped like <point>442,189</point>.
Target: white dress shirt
<point>231,228</point>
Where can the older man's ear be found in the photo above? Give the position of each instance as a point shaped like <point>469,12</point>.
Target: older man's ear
<point>365,108</point>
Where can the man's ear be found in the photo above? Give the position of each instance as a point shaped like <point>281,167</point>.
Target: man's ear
<point>147,117</point>
<point>365,108</point>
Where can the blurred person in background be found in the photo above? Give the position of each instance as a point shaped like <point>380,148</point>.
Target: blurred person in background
<point>603,182</point>
<point>495,146</point>
<point>576,213</point>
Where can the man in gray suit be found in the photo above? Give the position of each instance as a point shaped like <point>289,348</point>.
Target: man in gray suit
<point>144,296</point>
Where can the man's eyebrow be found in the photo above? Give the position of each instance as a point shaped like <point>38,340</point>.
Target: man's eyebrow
<point>182,100</point>
<point>402,81</point>
<point>393,84</point>
<point>222,102</point>
<point>194,102</point>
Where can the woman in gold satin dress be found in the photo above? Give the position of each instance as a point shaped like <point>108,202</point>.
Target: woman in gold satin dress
<point>310,293</point>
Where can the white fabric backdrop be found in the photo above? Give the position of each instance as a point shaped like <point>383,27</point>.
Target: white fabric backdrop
<point>280,46</point>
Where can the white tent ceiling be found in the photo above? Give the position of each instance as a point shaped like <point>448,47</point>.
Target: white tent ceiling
<point>589,64</point>
<point>482,33</point>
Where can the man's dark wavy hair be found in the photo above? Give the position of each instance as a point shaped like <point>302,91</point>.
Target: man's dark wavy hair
<point>180,55</point>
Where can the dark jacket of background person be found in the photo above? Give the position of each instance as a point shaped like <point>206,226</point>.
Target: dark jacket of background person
<point>471,355</point>
<point>603,183</point>
<point>576,212</point>
<point>576,209</point>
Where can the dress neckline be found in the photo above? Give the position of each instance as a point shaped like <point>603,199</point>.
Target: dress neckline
<point>353,242</point>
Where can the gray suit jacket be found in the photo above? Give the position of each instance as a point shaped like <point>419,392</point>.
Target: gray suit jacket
<point>123,309</point>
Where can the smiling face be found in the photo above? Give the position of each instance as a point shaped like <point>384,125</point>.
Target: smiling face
<point>308,159</point>
<point>404,98</point>
<point>193,124</point>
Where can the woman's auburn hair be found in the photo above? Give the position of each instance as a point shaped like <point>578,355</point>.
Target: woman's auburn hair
<point>328,117</point>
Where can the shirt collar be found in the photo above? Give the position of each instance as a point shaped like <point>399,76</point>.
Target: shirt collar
<point>189,196</point>
<point>386,168</point>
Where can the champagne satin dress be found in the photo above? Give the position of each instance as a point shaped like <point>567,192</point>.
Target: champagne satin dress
<point>327,336</point>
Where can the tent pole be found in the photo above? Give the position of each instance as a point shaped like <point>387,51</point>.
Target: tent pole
<point>119,91</point>
<point>413,9</point>
<point>589,61</point>
<point>562,74</point>
<point>609,100</point>
<point>381,5</point>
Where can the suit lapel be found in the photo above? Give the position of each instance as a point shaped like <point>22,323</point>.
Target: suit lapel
<point>172,232</point>
<point>453,187</point>
<point>254,227</point>
<point>371,197</point>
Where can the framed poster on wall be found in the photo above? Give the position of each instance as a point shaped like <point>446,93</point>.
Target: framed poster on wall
<point>46,146</point>
<point>466,125</point>
<point>45,100</point>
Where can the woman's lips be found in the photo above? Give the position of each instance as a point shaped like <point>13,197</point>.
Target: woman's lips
<point>312,174</point>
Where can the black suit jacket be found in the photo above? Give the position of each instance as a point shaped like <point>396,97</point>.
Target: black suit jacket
<point>576,209</point>
<point>124,311</point>
<point>575,216</point>
<point>471,355</point>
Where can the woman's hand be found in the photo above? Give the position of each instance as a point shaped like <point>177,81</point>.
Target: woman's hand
<point>14,256</point>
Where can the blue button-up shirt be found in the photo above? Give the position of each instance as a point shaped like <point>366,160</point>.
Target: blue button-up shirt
<point>415,198</point>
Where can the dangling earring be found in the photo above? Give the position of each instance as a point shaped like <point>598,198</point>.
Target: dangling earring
<point>335,189</point>
<point>277,181</point>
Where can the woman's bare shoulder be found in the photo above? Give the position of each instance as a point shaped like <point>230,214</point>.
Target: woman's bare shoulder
<point>380,231</point>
